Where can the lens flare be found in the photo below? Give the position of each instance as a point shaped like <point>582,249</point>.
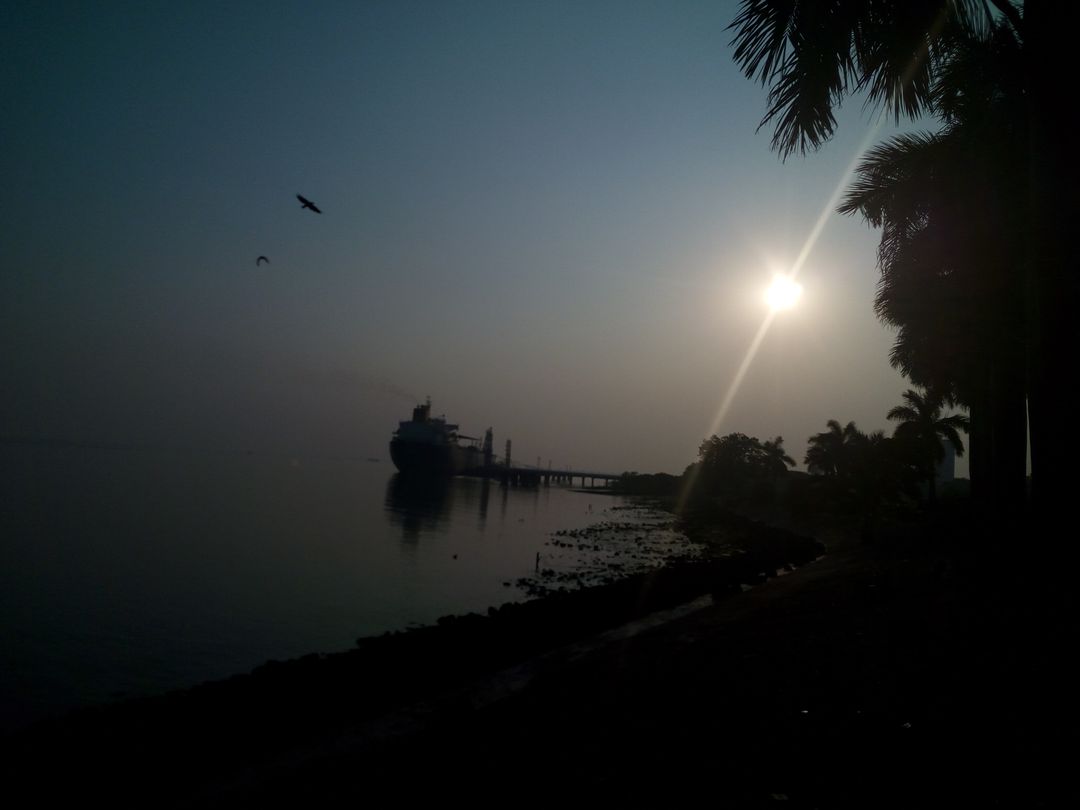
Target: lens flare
<point>790,284</point>
<point>784,293</point>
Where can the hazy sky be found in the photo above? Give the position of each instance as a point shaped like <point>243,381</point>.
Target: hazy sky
<point>556,219</point>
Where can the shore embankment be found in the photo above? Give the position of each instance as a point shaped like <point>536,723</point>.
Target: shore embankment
<point>875,676</point>
<point>281,704</point>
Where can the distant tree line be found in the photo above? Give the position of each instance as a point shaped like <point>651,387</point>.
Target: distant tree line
<point>853,473</point>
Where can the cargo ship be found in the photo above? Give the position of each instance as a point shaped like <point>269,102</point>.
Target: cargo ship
<point>429,445</point>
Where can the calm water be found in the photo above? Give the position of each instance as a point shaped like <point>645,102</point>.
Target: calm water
<point>130,572</point>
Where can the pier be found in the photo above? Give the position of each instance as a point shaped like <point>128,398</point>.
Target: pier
<point>527,476</point>
<point>509,474</point>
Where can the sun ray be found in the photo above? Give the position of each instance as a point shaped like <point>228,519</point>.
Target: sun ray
<point>804,254</point>
<point>729,397</point>
<point>834,198</point>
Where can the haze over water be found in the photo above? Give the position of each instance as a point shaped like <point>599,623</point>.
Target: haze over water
<point>556,219</point>
<point>128,572</point>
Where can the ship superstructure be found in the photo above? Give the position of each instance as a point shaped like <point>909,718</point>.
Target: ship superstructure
<point>432,446</point>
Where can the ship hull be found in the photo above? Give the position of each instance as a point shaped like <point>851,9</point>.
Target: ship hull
<point>414,458</point>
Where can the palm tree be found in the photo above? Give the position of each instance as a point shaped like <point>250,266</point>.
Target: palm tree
<point>880,477</point>
<point>924,428</point>
<point>775,458</point>
<point>814,54</point>
<point>948,255</point>
<point>828,453</point>
<point>986,70</point>
<point>864,473</point>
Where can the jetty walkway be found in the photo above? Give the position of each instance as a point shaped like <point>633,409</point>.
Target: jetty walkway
<point>529,476</point>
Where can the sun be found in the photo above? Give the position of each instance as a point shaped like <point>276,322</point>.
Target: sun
<point>783,293</point>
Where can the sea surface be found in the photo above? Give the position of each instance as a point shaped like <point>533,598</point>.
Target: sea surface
<point>129,572</point>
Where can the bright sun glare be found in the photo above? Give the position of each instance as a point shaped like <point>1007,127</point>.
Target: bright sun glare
<point>783,293</point>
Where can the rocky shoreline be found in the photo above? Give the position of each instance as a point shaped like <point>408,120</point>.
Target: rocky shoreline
<point>280,705</point>
<point>923,666</point>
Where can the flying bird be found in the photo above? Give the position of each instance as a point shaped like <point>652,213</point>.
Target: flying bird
<point>307,203</point>
<point>261,259</point>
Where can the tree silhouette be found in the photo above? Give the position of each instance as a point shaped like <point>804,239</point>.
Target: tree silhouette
<point>860,474</point>
<point>828,453</point>
<point>812,55</point>
<point>730,463</point>
<point>971,64</point>
<point>879,477</point>
<point>924,428</point>
<point>948,258</point>
<point>775,459</point>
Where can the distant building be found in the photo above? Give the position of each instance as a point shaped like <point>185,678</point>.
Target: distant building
<point>946,470</point>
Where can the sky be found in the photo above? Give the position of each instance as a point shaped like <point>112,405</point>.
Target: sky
<point>555,219</point>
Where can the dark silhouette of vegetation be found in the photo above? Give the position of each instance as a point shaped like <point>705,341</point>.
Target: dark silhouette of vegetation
<point>860,475</point>
<point>776,460</point>
<point>948,259</point>
<point>978,266</point>
<point>737,454</point>
<point>736,469</point>
<point>867,474</point>
<point>737,465</point>
<point>828,453</point>
<point>924,428</point>
<point>882,478</point>
<point>856,479</point>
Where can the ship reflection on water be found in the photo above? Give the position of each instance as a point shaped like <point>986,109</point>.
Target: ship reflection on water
<point>549,537</point>
<point>419,504</point>
<point>425,504</point>
<point>330,549</point>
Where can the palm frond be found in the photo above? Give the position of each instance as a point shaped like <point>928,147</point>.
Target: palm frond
<point>891,179</point>
<point>952,436</point>
<point>812,54</point>
<point>761,42</point>
<point>956,422</point>
<point>902,412</point>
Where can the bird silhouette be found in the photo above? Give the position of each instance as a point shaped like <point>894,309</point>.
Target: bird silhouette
<point>308,204</point>
<point>261,259</point>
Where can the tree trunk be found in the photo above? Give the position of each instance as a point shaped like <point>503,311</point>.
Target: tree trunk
<point>978,451</point>
<point>1010,441</point>
<point>1054,277</point>
<point>997,439</point>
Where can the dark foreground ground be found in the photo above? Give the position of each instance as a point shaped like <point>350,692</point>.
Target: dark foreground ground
<point>918,672</point>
